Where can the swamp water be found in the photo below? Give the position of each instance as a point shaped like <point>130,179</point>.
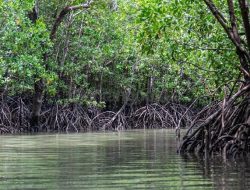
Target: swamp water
<point>139,159</point>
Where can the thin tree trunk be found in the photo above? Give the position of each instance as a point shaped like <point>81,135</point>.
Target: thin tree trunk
<point>37,103</point>
<point>150,89</point>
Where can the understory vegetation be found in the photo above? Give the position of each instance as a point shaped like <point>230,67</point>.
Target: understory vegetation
<point>121,64</point>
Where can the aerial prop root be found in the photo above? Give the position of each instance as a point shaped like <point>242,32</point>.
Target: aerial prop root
<point>225,130</point>
<point>162,116</point>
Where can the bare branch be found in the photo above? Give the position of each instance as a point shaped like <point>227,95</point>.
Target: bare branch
<point>244,6</point>
<point>64,12</point>
<point>221,20</point>
<point>231,31</point>
<point>233,21</point>
<point>218,15</point>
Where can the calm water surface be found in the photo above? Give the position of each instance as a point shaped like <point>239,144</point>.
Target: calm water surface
<point>126,160</point>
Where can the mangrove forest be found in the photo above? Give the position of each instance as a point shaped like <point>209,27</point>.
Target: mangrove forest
<point>112,65</point>
<point>124,94</point>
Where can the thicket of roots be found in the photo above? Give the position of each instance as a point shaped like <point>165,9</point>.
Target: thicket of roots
<point>109,120</point>
<point>222,128</point>
<point>15,117</point>
<point>168,116</point>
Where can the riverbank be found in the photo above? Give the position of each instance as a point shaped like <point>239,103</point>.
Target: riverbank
<point>15,114</point>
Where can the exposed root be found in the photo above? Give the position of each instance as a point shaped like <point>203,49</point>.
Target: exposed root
<point>150,116</point>
<point>109,121</point>
<point>226,129</point>
<point>157,116</point>
<point>15,115</point>
<point>65,118</point>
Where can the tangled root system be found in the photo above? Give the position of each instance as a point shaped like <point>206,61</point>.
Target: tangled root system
<point>222,128</point>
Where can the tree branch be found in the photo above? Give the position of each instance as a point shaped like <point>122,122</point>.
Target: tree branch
<point>218,15</point>
<point>231,32</point>
<point>64,12</point>
<point>233,21</point>
<point>221,20</point>
<point>33,15</point>
<point>244,6</point>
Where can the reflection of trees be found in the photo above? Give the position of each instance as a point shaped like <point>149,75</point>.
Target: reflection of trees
<point>150,158</point>
<point>145,148</point>
<point>225,174</point>
<point>43,162</point>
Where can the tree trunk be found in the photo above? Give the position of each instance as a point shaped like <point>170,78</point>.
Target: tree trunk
<point>37,104</point>
<point>39,85</point>
<point>150,83</point>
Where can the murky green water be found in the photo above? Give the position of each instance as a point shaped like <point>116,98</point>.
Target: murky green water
<point>126,160</point>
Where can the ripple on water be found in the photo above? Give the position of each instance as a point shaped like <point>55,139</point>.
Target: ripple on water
<point>141,159</point>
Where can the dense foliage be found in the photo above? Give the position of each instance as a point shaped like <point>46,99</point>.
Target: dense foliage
<point>133,57</point>
<point>158,50</point>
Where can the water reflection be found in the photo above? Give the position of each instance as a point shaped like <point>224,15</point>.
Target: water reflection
<point>225,174</point>
<point>126,160</point>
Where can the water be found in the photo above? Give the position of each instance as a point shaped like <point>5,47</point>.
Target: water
<point>126,160</point>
